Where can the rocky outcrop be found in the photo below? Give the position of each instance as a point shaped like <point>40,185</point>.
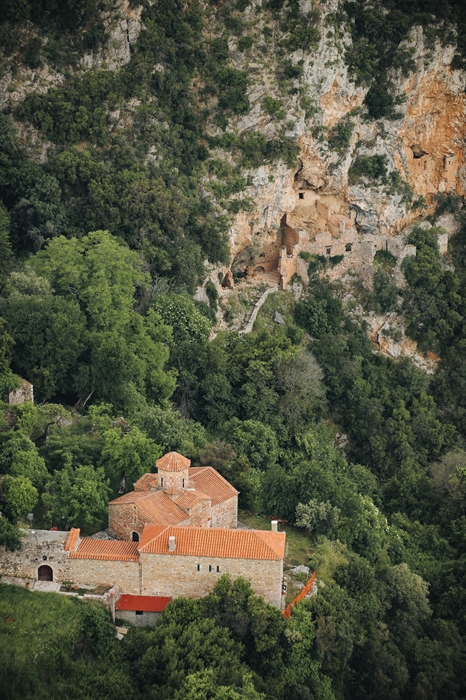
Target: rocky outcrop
<point>424,145</point>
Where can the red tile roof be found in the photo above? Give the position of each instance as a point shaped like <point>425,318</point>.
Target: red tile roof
<point>145,482</point>
<point>72,539</point>
<point>209,481</point>
<point>155,505</point>
<point>173,462</point>
<point>214,542</point>
<point>114,550</point>
<point>146,603</point>
<point>188,499</point>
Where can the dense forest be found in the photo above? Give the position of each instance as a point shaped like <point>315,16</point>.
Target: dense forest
<point>103,244</point>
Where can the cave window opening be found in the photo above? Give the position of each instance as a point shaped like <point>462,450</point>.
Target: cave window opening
<point>328,251</point>
<point>301,195</point>
<point>348,247</point>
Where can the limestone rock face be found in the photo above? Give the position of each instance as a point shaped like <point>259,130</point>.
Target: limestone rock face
<point>423,147</point>
<point>123,24</point>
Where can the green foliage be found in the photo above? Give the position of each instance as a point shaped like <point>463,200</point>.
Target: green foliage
<point>78,497</point>
<point>340,135</point>
<point>273,107</point>
<point>20,497</point>
<point>369,168</point>
<point>10,535</point>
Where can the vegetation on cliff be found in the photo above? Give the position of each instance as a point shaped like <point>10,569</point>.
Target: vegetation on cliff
<point>102,245</point>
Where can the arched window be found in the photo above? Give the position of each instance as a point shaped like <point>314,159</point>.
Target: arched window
<point>184,480</point>
<point>45,573</point>
<point>135,537</point>
<point>161,481</point>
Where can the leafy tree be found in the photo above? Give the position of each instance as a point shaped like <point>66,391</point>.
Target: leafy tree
<point>126,456</point>
<point>19,495</point>
<point>78,497</point>
<point>319,518</point>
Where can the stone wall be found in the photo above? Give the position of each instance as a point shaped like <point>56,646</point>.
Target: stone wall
<point>124,519</point>
<point>124,574</point>
<point>177,575</point>
<point>200,514</point>
<point>225,514</point>
<point>147,619</point>
<point>173,480</point>
<point>38,548</point>
<point>25,392</point>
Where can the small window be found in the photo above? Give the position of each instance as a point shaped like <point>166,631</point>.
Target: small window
<point>301,195</point>
<point>184,482</point>
<point>348,247</point>
<point>44,558</point>
<point>210,567</point>
<point>135,537</point>
<point>198,567</point>
<point>328,251</point>
<point>161,481</point>
<point>218,569</point>
<point>139,612</point>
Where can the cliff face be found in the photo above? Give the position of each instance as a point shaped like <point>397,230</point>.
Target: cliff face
<point>325,205</point>
<point>332,213</point>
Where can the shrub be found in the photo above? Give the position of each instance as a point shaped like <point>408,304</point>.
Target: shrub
<point>340,136</point>
<point>368,167</point>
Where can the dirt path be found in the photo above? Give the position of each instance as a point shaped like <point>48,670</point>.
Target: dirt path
<point>248,327</point>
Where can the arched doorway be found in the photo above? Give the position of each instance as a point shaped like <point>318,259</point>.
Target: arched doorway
<point>135,537</point>
<point>259,270</point>
<point>45,573</point>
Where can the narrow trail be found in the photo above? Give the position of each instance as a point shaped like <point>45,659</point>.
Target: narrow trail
<point>248,327</point>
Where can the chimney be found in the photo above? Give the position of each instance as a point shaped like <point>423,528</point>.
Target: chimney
<point>171,543</point>
<point>274,525</point>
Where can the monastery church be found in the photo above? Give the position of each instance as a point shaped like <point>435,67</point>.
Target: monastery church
<point>174,535</point>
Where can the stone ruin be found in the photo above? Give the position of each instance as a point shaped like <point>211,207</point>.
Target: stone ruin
<point>24,392</point>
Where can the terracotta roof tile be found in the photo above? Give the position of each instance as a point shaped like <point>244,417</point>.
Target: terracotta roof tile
<point>173,462</point>
<point>209,481</point>
<point>188,499</point>
<point>155,505</point>
<point>146,603</point>
<point>72,539</point>
<point>149,532</point>
<point>161,509</point>
<point>114,550</point>
<point>145,482</point>
<point>215,542</point>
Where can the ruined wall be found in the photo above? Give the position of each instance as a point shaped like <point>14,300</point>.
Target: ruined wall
<point>25,392</point>
<point>176,575</point>
<point>38,549</point>
<point>225,514</point>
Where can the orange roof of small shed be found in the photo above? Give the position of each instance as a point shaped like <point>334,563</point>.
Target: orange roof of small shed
<point>145,603</point>
<point>173,462</point>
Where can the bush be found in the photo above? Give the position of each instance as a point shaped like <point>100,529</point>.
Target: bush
<point>379,102</point>
<point>369,168</point>
<point>340,136</point>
